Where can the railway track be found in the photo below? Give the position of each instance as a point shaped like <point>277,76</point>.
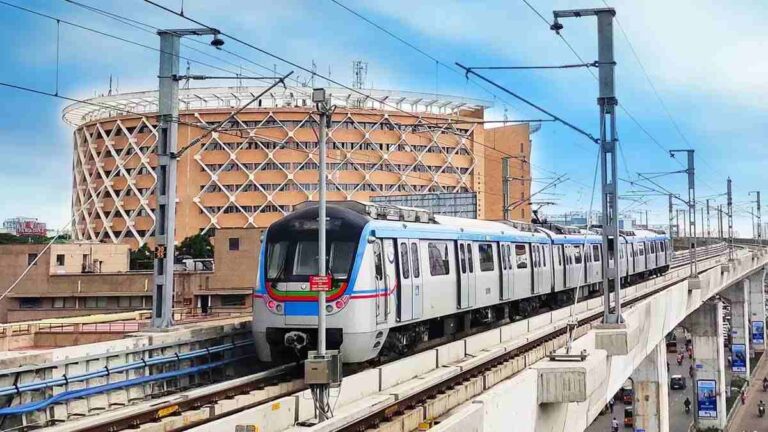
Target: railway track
<point>196,407</point>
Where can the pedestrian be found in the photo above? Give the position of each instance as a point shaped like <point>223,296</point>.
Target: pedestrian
<point>743,397</point>
<point>610,405</point>
<point>614,425</point>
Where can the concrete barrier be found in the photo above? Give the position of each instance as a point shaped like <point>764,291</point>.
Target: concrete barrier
<point>482,341</point>
<point>402,370</point>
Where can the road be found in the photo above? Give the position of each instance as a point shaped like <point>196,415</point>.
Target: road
<point>746,419</point>
<point>679,421</point>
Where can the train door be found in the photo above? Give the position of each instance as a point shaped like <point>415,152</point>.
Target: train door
<point>381,281</point>
<point>559,267</point>
<point>416,279</point>
<point>522,271</point>
<point>466,260</point>
<point>405,287</point>
<point>506,271</point>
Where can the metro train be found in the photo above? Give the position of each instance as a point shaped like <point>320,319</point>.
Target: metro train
<point>402,277</point>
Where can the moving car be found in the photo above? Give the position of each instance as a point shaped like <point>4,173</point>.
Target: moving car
<point>677,382</point>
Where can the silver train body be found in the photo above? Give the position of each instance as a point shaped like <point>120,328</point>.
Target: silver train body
<point>398,284</point>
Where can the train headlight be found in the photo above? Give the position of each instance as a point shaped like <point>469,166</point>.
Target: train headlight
<point>273,306</point>
<point>329,308</point>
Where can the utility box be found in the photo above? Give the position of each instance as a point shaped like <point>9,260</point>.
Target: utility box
<point>323,369</point>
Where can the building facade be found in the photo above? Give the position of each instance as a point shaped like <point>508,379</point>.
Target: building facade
<point>79,279</point>
<point>264,161</point>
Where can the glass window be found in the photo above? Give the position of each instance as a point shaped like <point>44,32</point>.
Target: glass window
<point>137,301</point>
<point>509,256</point>
<point>485,251</point>
<point>641,249</point>
<point>58,302</point>
<point>30,303</point>
<point>577,255</point>
<point>276,253</point>
<point>462,259</point>
<point>340,260</point>
<point>60,258</point>
<point>503,253</point>
<point>596,253</point>
<point>31,259</point>
<point>234,243</point>
<point>123,302</point>
<point>415,260</point>
<point>233,300</point>
<point>404,270</point>
<point>438,258</point>
<point>521,256</point>
<point>544,251</point>
<point>305,262</point>
<point>377,260</point>
<point>470,259</point>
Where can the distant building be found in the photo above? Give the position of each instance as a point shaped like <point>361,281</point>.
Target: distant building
<point>263,162</point>
<point>75,279</point>
<point>449,204</point>
<point>24,226</point>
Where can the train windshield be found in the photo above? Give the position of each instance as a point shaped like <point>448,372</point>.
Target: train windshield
<point>294,261</point>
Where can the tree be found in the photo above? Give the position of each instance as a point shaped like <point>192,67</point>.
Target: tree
<point>142,259</point>
<point>196,246</point>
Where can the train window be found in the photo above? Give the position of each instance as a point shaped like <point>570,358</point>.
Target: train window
<point>577,255</point>
<point>559,256</point>
<point>438,258</point>
<point>521,256</point>
<point>377,260</point>
<point>641,249</point>
<point>404,261</point>
<point>544,255</point>
<point>485,251</point>
<point>305,262</point>
<point>661,245</point>
<point>596,253</point>
<point>470,259</point>
<point>652,246</point>
<point>276,259</point>
<point>509,256</point>
<point>341,257</point>
<point>462,259</point>
<point>503,255</point>
<point>415,260</point>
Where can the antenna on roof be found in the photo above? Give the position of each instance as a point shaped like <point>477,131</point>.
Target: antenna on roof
<point>109,93</point>
<point>359,73</point>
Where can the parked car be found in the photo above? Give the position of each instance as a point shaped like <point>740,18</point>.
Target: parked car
<point>629,416</point>
<point>677,382</point>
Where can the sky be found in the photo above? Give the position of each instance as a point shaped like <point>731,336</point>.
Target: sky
<point>690,73</point>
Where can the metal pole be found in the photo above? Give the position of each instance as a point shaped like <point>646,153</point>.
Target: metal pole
<point>730,222</point>
<point>647,225</point>
<point>607,104</point>
<point>691,171</point>
<point>505,187</point>
<point>168,111</point>
<point>759,223</point>
<point>720,221</point>
<point>324,110</point>
<point>709,232</point>
<point>670,216</point>
<point>752,215</point>
<point>702,223</point>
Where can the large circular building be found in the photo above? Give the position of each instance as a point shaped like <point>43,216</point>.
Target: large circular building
<point>254,169</point>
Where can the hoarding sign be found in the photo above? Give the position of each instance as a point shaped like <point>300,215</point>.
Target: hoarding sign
<point>758,332</point>
<point>30,228</point>
<point>706,398</point>
<point>739,360</point>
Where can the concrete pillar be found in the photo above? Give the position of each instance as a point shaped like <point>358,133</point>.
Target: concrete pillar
<point>652,391</point>
<point>757,311</point>
<point>740,332</point>
<point>706,327</point>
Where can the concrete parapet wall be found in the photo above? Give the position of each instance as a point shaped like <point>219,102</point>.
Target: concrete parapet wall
<point>518,397</point>
<point>34,366</point>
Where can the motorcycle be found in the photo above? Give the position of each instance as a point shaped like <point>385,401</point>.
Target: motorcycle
<point>687,409</point>
<point>765,385</point>
<point>761,410</point>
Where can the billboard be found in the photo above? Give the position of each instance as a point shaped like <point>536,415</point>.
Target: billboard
<point>706,398</point>
<point>30,228</point>
<point>739,361</point>
<point>758,332</point>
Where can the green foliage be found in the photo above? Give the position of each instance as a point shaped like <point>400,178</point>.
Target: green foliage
<point>142,259</point>
<point>196,246</point>
<point>7,238</point>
